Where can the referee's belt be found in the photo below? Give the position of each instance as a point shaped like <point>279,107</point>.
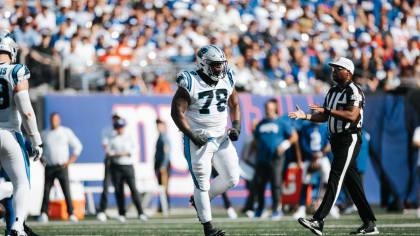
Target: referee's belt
<point>348,132</point>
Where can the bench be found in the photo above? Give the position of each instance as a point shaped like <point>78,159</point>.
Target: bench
<point>145,181</point>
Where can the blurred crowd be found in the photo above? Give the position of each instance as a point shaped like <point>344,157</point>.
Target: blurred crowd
<point>275,47</point>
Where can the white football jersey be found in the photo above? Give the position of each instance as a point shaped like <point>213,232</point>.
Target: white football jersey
<point>208,110</point>
<point>10,76</point>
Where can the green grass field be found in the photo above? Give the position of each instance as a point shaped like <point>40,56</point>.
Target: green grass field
<point>388,224</point>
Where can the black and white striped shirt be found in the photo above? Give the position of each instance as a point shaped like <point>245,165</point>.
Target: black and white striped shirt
<point>338,99</point>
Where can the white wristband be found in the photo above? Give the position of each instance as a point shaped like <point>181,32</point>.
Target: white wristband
<point>285,144</point>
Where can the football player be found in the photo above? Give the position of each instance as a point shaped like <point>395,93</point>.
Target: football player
<point>15,109</point>
<point>199,109</point>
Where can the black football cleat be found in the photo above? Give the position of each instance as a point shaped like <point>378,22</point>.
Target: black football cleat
<point>28,230</point>
<point>214,232</point>
<point>366,229</point>
<point>315,226</point>
<point>16,233</point>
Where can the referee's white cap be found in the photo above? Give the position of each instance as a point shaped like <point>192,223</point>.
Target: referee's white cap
<point>345,63</point>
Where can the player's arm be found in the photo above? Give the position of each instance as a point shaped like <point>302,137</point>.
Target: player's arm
<point>76,146</point>
<point>300,114</point>
<point>416,138</point>
<point>180,103</point>
<point>350,113</point>
<point>23,104</point>
<point>235,116</point>
<point>283,146</point>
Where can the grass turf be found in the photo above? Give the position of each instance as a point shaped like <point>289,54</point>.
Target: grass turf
<point>388,224</point>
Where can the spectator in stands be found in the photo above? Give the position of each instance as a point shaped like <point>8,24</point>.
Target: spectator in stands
<point>137,85</point>
<point>120,149</point>
<point>162,162</point>
<point>42,62</point>
<point>272,137</point>
<point>57,143</point>
<point>107,133</point>
<point>110,85</point>
<point>168,31</point>
<point>416,144</point>
<point>160,85</point>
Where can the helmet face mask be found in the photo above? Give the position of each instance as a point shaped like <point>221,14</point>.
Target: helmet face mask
<point>212,61</point>
<point>216,69</point>
<point>8,45</point>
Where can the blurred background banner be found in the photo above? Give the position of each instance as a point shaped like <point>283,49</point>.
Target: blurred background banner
<point>385,120</point>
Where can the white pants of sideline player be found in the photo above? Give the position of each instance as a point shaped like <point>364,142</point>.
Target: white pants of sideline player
<point>324,170</point>
<point>220,153</point>
<point>13,161</point>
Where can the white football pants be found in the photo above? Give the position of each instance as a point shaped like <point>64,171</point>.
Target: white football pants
<point>15,162</point>
<point>324,170</point>
<point>220,153</point>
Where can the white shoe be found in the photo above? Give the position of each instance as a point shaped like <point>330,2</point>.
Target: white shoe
<point>350,209</point>
<point>143,217</point>
<point>43,218</point>
<point>101,216</point>
<point>249,213</point>
<point>418,212</point>
<point>121,219</point>
<point>277,215</point>
<point>231,213</point>
<point>73,218</point>
<point>300,213</point>
<point>335,212</point>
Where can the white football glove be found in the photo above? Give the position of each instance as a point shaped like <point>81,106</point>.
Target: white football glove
<point>36,152</point>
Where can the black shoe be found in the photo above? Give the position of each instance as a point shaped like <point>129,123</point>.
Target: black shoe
<point>214,232</point>
<point>367,229</point>
<point>15,233</point>
<point>28,230</point>
<point>315,226</point>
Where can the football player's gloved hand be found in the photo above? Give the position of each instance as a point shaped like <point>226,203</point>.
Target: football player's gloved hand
<point>234,132</point>
<point>35,152</point>
<point>199,139</point>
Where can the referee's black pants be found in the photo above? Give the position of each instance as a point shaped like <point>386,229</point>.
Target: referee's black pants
<point>121,174</point>
<point>345,148</point>
<point>62,174</point>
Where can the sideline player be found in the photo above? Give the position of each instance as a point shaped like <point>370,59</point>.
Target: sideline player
<point>15,108</point>
<point>199,110</point>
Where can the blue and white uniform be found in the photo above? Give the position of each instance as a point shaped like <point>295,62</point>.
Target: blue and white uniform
<point>313,139</point>
<point>13,156</point>
<point>207,113</point>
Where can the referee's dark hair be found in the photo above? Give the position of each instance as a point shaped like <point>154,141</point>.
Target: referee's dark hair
<point>273,100</point>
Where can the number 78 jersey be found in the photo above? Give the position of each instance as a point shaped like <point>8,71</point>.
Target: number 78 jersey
<point>207,111</point>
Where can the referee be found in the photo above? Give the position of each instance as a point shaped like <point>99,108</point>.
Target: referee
<point>343,109</point>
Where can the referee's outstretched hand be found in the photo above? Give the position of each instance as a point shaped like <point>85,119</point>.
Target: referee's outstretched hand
<point>299,114</point>
<point>316,108</point>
